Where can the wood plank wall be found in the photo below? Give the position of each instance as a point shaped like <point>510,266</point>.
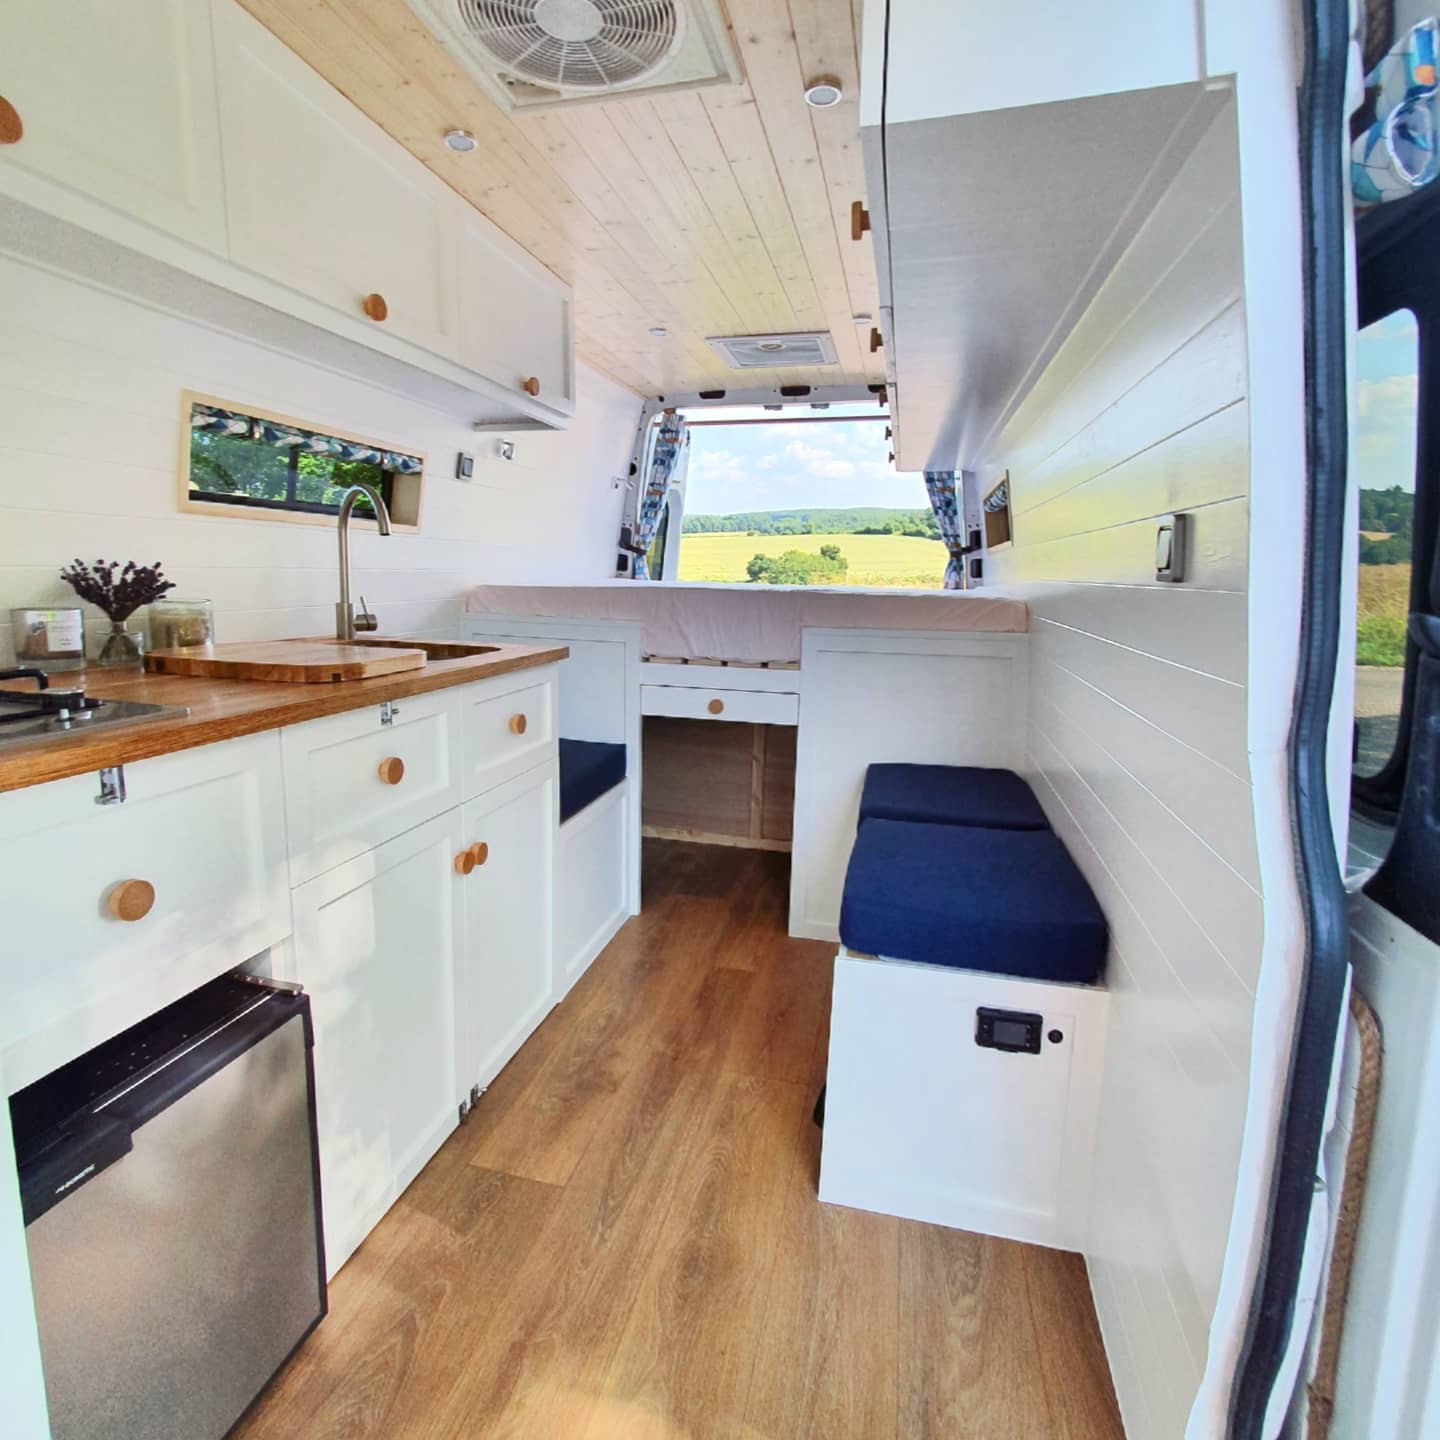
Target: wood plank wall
<point>1137,745</point>
<point>721,784</point>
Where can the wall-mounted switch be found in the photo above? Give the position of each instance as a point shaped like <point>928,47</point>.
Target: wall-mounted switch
<point>505,449</point>
<point>1170,544</point>
<point>464,466</point>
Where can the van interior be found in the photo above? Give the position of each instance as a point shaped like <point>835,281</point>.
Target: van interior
<point>778,775</point>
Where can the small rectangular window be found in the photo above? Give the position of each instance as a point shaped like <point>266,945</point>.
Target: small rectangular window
<point>996,509</point>
<point>239,460</point>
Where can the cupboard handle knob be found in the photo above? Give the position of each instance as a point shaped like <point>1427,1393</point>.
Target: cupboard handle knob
<point>518,724</point>
<point>859,219</point>
<point>479,852</point>
<point>465,861</point>
<point>716,707</point>
<point>131,900</point>
<point>531,386</point>
<point>375,307</point>
<point>12,127</point>
<point>391,770</point>
<point>876,339</point>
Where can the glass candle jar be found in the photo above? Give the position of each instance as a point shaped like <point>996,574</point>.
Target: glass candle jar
<point>175,624</point>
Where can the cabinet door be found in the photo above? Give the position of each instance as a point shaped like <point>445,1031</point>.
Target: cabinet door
<point>507,981</point>
<point>321,199</point>
<point>118,102</point>
<point>515,316</point>
<point>376,943</point>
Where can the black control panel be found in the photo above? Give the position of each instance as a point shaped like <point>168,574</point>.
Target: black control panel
<point>1014,1030</point>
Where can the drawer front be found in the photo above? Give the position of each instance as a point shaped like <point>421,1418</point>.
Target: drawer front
<point>353,781</point>
<point>113,911</point>
<point>750,707</point>
<point>508,727</point>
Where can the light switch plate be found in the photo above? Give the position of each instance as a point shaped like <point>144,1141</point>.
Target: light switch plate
<point>505,449</point>
<point>1170,545</point>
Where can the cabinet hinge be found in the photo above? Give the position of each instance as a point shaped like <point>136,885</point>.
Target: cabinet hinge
<point>112,786</point>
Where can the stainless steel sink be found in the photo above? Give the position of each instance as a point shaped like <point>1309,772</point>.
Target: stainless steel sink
<point>434,649</point>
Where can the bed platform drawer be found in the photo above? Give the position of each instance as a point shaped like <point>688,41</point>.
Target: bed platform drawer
<point>748,707</point>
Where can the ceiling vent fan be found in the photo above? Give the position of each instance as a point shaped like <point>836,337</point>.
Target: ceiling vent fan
<point>774,352</point>
<point>540,54</point>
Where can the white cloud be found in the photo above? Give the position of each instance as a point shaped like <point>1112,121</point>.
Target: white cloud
<point>1385,431</point>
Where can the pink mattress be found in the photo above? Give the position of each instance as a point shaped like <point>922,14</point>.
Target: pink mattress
<point>686,620</point>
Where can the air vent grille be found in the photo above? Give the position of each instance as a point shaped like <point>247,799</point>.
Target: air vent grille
<point>773,352</point>
<point>576,44</point>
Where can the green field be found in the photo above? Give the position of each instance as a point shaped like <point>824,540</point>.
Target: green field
<point>1384,604</point>
<point>887,560</point>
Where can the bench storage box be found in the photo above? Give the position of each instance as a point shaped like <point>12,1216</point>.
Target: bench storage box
<point>592,887</point>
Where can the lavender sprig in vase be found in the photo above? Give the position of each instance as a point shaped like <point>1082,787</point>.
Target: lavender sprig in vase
<point>119,593</point>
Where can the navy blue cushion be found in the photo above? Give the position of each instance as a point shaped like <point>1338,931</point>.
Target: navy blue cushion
<point>1008,901</point>
<point>588,768</point>
<point>950,795</point>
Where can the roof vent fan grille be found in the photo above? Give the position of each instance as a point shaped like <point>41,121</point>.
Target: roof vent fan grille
<point>774,352</point>
<point>576,44</point>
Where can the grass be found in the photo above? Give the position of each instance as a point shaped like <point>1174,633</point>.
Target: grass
<point>882,560</point>
<point>1383,609</point>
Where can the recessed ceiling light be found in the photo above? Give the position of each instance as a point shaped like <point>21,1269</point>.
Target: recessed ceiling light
<point>658,331</point>
<point>462,142</point>
<point>824,92</point>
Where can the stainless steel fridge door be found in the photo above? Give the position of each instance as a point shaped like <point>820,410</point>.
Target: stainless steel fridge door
<point>172,1286</point>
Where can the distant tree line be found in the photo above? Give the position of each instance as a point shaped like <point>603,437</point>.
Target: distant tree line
<point>860,520</point>
<point>799,567</point>
<point>1390,513</point>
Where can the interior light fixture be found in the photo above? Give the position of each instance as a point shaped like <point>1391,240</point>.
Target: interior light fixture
<point>823,92</point>
<point>462,142</point>
<point>658,331</point>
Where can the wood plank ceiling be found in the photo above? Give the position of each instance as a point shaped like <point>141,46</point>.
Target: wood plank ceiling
<point>721,211</point>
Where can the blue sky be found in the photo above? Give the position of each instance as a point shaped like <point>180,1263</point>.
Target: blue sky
<point>794,467</point>
<point>1386,390</point>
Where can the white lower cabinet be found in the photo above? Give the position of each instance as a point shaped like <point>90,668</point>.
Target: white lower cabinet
<point>377,942</point>
<point>506,980</point>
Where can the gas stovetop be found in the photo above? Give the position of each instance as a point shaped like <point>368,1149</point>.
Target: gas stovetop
<point>64,709</point>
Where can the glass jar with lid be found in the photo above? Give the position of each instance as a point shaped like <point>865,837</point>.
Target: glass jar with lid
<point>177,624</point>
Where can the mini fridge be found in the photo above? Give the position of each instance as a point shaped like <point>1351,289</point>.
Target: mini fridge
<point>171,1189</point>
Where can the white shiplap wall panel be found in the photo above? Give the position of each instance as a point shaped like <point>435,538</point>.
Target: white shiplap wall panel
<point>90,416</point>
<point>1137,742</point>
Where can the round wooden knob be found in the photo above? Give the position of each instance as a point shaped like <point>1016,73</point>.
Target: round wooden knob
<point>859,219</point>
<point>131,900</point>
<point>465,861</point>
<point>518,724</point>
<point>531,386</point>
<point>479,852</point>
<point>391,770</point>
<point>12,127</point>
<point>716,707</point>
<point>375,307</point>
<point>876,339</point>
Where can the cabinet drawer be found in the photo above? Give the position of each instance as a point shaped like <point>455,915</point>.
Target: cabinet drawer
<point>509,727</point>
<point>355,780</point>
<point>752,707</point>
<point>194,862</point>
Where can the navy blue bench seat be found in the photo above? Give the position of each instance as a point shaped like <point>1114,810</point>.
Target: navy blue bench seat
<point>950,795</point>
<point>1007,901</point>
<point>588,768</point>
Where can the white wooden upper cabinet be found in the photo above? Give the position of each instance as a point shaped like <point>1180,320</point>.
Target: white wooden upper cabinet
<point>958,59</point>
<point>115,910</point>
<point>505,983</point>
<point>516,325</point>
<point>118,102</point>
<point>321,199</point>
<point>376,943</point>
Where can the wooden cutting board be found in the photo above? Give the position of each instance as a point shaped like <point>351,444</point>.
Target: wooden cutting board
<point>303,662</point>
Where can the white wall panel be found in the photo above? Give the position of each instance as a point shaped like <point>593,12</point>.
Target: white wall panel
<point>1137,742</point>
<point>90,417</point>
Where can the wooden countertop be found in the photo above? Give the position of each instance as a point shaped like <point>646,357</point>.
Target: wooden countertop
<point>225,709</point>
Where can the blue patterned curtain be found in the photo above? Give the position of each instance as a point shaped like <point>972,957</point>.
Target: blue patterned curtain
<point>270,432</point>
<point>943,487</point>
<point>670,440</point>
<point>1398,153</point>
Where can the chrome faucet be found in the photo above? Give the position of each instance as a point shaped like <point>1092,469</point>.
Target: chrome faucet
<point>347,622</point>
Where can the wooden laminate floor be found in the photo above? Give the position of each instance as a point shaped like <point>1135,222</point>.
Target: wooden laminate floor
<point>624,1239</point>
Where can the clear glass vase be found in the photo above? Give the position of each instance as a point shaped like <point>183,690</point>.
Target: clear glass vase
<point>122,647</point>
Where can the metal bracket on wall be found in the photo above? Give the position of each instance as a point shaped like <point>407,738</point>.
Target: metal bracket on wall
<point>388,711</point>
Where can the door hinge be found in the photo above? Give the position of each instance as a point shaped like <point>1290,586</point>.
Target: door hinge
<point>112,786</point>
